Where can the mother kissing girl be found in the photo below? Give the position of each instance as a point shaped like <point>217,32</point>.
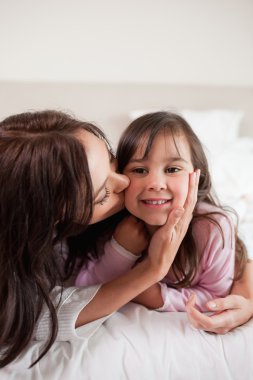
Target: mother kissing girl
<point>58,176</point>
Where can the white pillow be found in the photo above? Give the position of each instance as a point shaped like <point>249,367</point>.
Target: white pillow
<point>217,129</point>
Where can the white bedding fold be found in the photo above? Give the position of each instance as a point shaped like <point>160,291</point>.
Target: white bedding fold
<point>138,344</point>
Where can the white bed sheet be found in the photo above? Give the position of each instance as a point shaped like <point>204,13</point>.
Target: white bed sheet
<point>139,344</point>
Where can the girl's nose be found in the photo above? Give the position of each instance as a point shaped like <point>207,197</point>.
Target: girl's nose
<point>157,182</point>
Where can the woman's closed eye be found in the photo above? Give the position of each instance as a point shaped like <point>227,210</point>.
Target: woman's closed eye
<point>102,200</point>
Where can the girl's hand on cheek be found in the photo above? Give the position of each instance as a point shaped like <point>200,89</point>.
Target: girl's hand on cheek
<point>131,234</point>
<point>167,239</point>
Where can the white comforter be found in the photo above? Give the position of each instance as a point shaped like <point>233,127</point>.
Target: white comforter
<point>139,344</point>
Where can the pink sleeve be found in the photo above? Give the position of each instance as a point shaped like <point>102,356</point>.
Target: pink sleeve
<point>216,269</point>
<point>114,262</point>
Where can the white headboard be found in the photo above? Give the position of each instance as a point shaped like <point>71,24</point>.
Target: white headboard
<point>108,105</point>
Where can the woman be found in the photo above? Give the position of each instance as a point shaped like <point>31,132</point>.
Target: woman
<point>51,165</point>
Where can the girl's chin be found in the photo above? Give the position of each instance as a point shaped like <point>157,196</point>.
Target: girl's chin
<point>155,223</point>
<point>153,227</point>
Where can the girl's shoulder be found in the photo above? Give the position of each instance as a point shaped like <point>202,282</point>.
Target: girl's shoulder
<point>213,232</point>
<point>207,208</point>
<point>210,217</point>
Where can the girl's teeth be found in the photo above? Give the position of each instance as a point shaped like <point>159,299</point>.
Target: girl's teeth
<point>156,202</point>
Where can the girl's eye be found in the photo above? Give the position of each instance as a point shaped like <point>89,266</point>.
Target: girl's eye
<point>104,199</point>
<point>172,170</point>
<point>139,170</point>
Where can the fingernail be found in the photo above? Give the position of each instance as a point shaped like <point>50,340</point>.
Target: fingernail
<point>212,305</point>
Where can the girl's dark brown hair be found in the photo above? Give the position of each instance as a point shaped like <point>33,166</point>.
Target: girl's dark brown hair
<point>143,131</point>
<point>46,196</point>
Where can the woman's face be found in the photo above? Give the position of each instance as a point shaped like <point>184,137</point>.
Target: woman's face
<point>108,186</point>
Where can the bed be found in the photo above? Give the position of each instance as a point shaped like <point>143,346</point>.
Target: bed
<point>139,344</point>
<point>136,343</point>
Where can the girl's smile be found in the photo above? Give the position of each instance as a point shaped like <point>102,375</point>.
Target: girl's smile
<point>156,202</point>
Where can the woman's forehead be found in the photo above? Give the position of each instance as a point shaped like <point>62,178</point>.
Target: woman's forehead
<point>98,157</point>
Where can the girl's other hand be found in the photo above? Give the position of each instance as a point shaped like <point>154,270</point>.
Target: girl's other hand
<point>131,234</point>
<point>229,312</point>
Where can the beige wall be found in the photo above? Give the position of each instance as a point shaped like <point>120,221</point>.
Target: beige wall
<point>143,41</point>
<point>109,105</point>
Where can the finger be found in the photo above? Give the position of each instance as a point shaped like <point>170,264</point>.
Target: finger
<point>174,217</point>
<point>197,319</point>
<point>195,186</point>
<point>192,312</point>
<point>229,302</point>
<point>191,199</point>
<point>219,323</point>
<point>192,190</point>
<point>191,301</point>
<point>203,321</point>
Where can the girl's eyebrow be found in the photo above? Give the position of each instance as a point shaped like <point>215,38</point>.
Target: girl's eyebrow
<point>170,160</point>
<point>174,159</point>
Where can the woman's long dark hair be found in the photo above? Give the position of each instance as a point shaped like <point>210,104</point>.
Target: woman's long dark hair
<point>145,129</point>
<point>46,196</point>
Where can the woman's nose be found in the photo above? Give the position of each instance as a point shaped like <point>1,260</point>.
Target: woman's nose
<point>121,182</point>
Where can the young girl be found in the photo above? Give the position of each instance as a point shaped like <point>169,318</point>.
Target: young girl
<point>158,152</point>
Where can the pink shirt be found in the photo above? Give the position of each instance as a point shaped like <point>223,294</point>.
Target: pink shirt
<point>214,275</point>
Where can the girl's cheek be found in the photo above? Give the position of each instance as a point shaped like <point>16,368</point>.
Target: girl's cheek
<point>129,197</point>
<point>182,185</point>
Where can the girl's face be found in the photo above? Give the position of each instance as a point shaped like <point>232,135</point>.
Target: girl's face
<point>159,181</point>
<point>108,185</point>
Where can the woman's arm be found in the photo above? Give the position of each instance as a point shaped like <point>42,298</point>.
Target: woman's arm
<point>231,311</point>
<point>129,240</point>
<point>161,253</point>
